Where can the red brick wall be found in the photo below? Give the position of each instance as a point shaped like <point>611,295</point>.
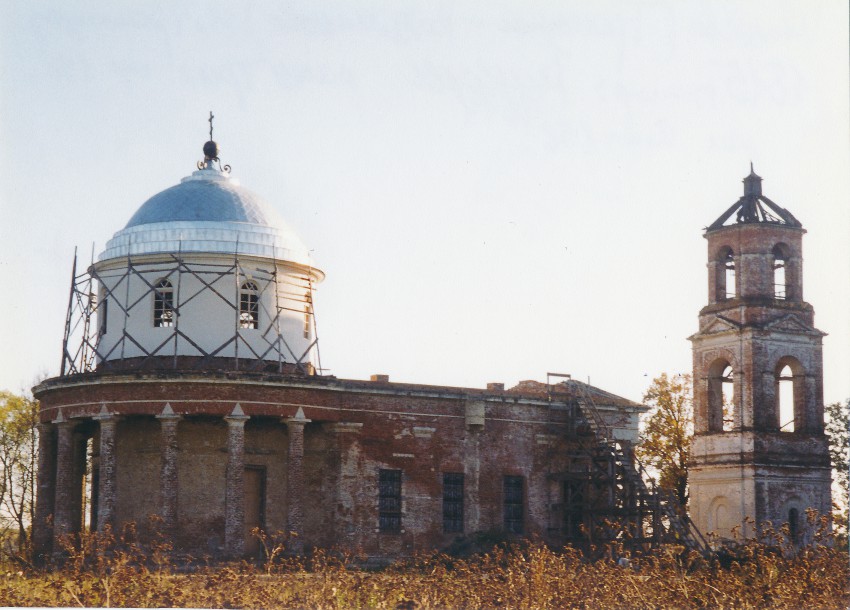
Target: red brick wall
<point>355,429</point>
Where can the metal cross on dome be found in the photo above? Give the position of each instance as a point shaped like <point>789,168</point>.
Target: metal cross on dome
<point>211,152</point>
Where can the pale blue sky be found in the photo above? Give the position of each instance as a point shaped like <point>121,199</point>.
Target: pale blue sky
<point>494,189</point>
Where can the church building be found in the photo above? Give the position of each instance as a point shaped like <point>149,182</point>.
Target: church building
<point>191,388</point>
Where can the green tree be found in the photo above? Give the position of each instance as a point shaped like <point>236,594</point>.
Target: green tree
<point>18,455</point>
<point>666,432</point>
<point>837,422</point>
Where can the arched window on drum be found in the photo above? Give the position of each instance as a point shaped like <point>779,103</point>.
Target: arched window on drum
<point>163,304</point>
<point>249,305</point>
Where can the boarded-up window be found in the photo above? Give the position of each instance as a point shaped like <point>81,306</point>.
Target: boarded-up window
<point>452,502</point>
<point>794,524</point>
<point>389,500</point>
<point>255,506</point>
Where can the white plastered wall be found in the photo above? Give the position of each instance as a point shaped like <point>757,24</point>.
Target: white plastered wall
<point>208,314</point>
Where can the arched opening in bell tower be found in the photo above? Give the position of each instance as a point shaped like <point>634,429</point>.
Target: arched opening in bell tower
<point>721,397</point>
<point>785,395</point>
<point>780,271</point>
<point>728,395</point>
<point>725,283</point>
<point>789,395</point>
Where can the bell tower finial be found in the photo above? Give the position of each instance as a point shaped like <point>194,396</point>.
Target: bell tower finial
<point>212,116</point>
<point>752,183</point>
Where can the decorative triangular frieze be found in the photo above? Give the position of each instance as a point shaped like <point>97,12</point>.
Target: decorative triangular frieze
<point>790,323</point>
<point>718,325</point>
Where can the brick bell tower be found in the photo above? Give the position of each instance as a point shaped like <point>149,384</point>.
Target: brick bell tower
<point>759,452</point>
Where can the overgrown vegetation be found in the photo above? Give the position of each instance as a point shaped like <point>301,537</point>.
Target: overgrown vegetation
<point>838,429</point>
<point>667,430</point>
<point>119,570</point>
<point>18,455</point>
<point>109,570</point>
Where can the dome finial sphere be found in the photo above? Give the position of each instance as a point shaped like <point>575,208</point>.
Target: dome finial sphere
<point>211,150</point>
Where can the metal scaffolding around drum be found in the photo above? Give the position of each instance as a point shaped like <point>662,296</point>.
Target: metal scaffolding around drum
<point>83,352</point>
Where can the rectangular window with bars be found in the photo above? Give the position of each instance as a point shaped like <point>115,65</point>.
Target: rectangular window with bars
<point>514,514</point>
<point>573,508</point>
<point>452,502</point>
<point>389,500</point>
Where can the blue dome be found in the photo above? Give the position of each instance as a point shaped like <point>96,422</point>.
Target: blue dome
<point>206,200</point>
<point>208,212</point>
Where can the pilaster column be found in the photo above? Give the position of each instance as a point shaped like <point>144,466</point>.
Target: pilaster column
<point>472,475</point>
<point>168,485</point>
<point>42,531</point>
<point>106,486</point>
<point>234,497</point>
<point>474,413</point>
<point>64,479</point>
<point>812,420</point>
<point>295,480</point>
<point>346,520</point>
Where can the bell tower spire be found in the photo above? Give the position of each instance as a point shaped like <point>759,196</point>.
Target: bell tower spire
<point>752,183</point>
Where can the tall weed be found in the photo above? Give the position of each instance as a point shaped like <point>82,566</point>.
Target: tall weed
<point>118,569</point>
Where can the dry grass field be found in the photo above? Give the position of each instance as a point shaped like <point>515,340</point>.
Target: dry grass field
<point>117,571</point>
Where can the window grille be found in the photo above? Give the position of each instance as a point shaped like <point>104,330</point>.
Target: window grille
<point>163,304</point>
<point>249,306</point>
<point>513,493</point>
<point>452,502</point>
<point>389,500</point>
<point>573,508</point>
